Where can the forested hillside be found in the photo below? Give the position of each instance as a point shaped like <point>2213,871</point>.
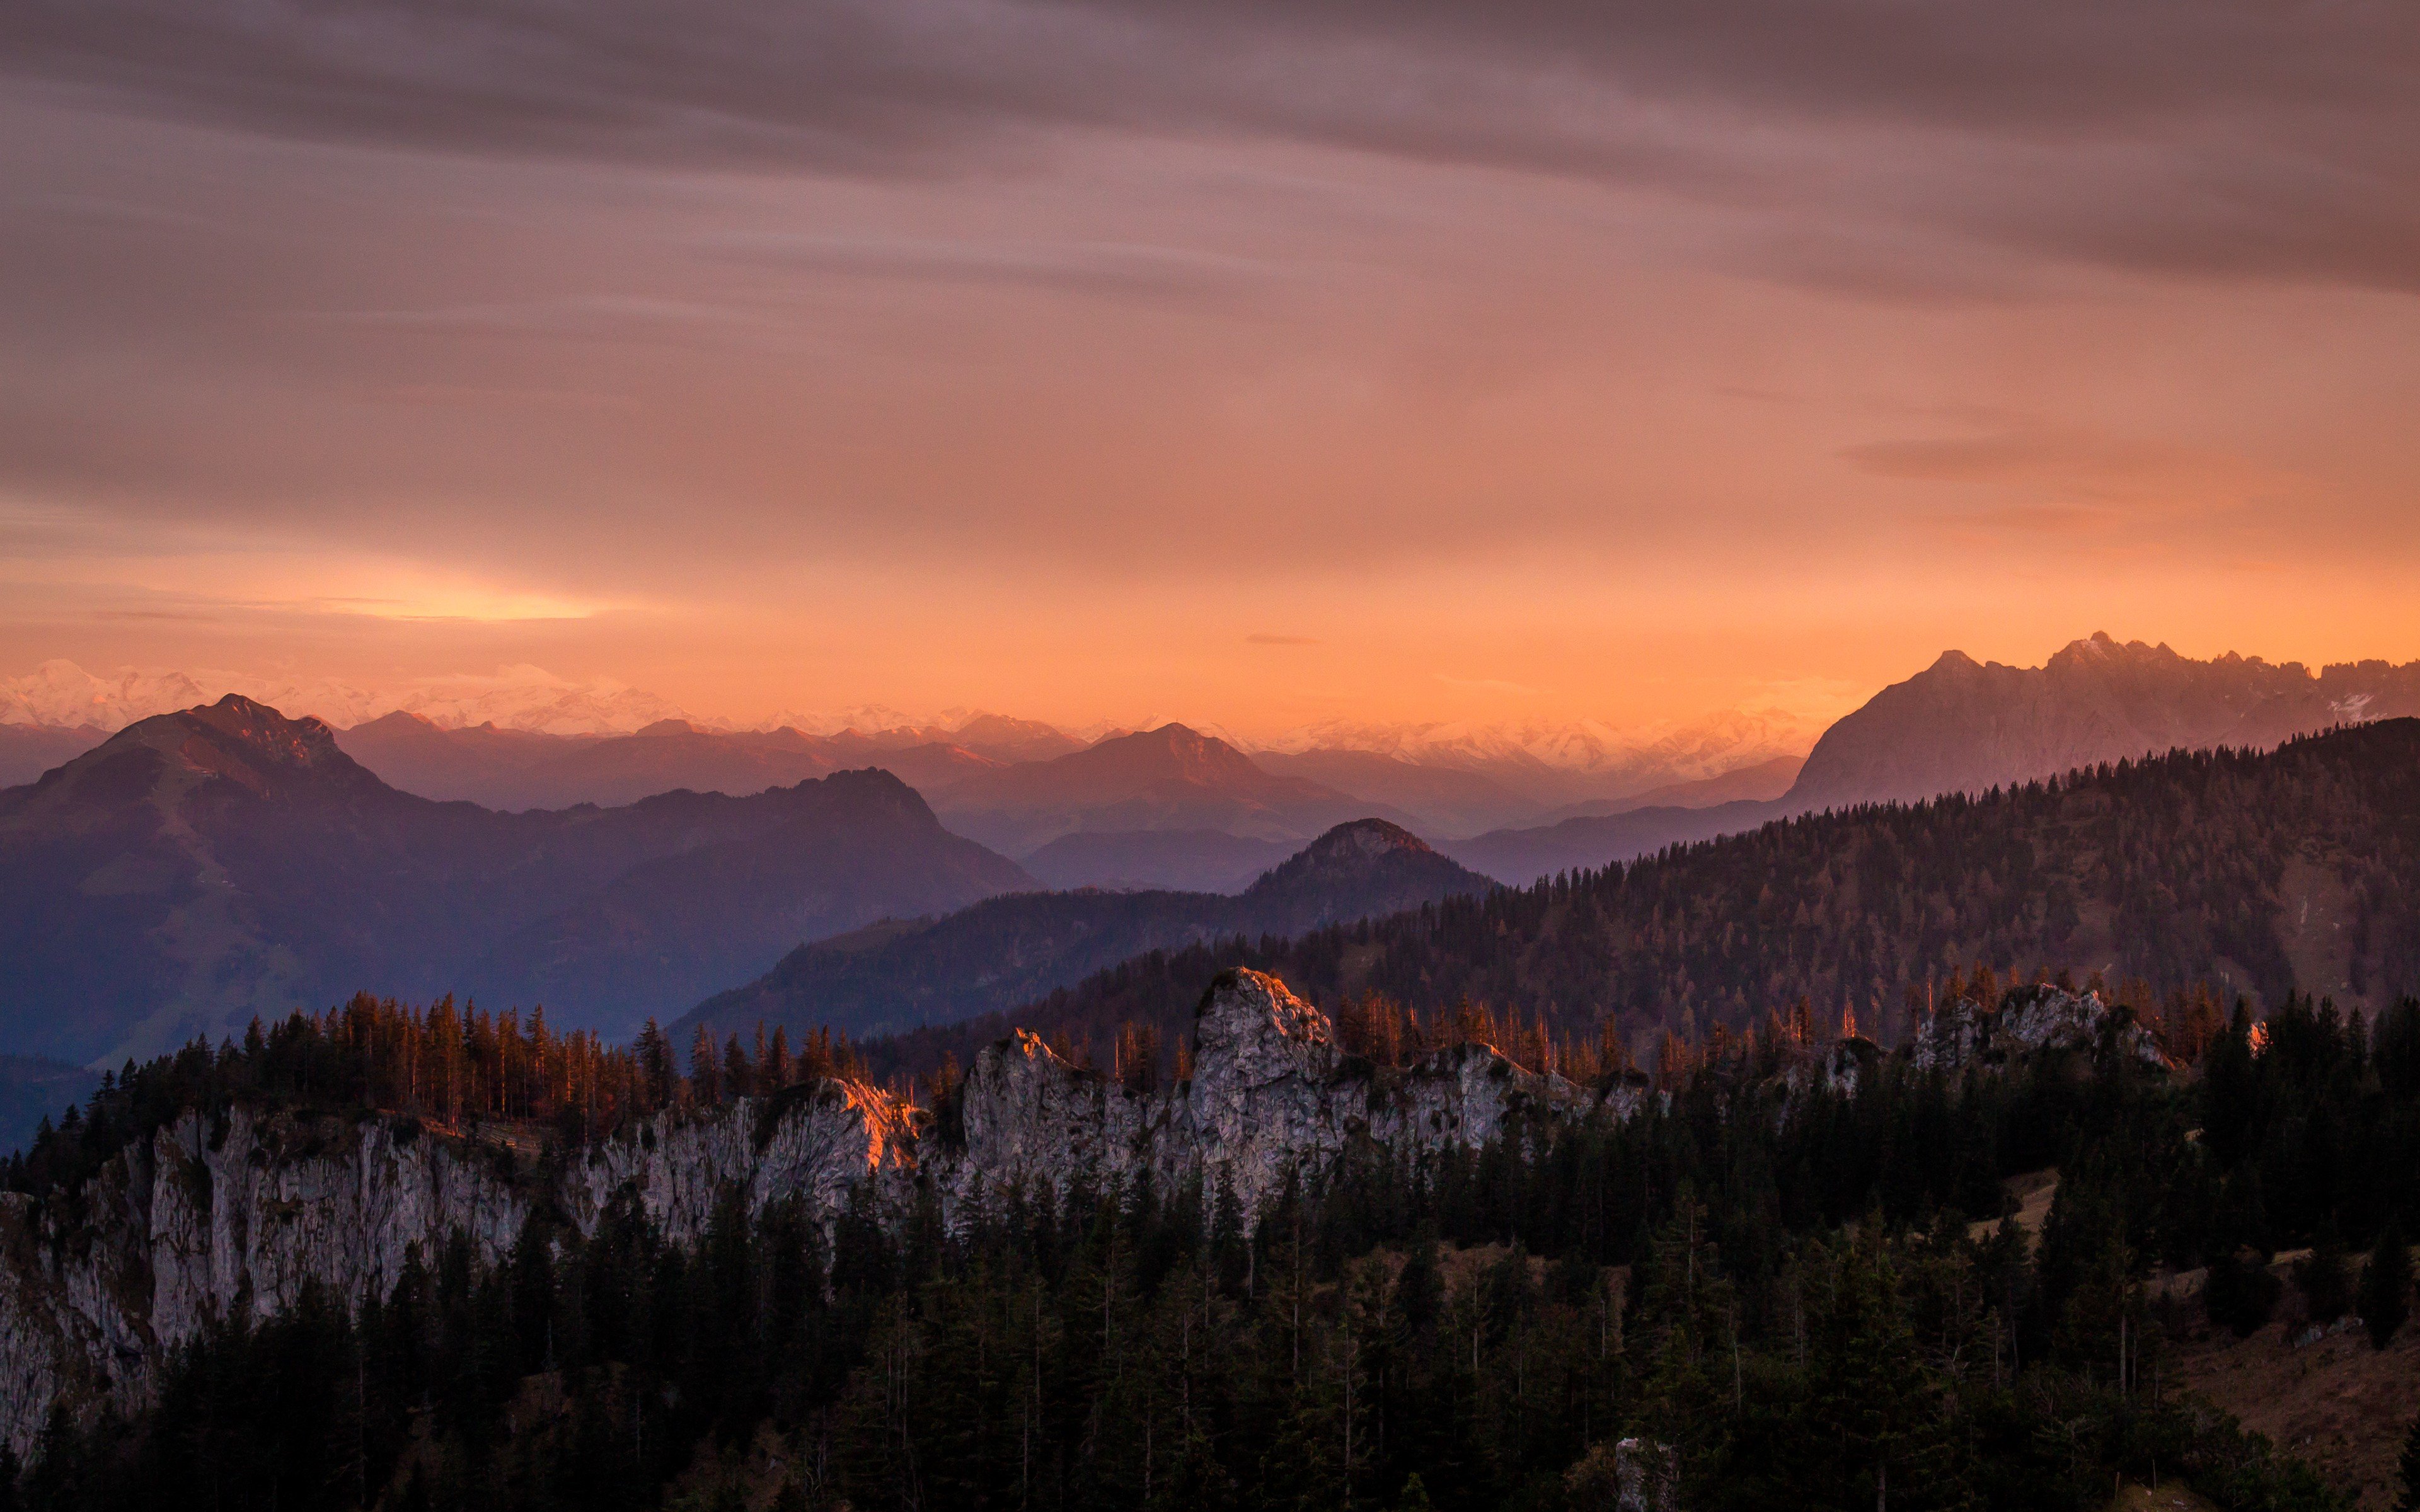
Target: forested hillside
<point>995,955</point>
<point>1471,1331</point>
<point>2257,874</point>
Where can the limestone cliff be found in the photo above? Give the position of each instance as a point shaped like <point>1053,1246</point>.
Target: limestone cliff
<point>234,1215</point>
<point>1963,1032</point>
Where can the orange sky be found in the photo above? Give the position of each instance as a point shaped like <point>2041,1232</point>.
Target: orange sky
<point>1459,374</point>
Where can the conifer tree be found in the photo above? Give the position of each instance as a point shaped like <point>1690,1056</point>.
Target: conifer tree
<point>2386,1285</point>
<point>2322,1276</point>
<point>2410,1499</point>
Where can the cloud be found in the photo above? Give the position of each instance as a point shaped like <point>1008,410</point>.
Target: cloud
<point>2238,138</point>
<point>1078,266</point>
<point>2006,456</point>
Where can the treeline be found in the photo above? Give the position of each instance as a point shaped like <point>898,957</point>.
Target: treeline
<point>2172,872</point>
<point>447,1066</point>
<point>1469,1330</point>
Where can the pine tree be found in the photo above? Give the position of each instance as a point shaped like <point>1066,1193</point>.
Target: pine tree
<point>2322,1276</point>
<point>2386,1285</point>
<point>2410,1499</point>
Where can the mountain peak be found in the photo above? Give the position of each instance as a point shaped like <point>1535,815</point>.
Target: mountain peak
<point>1362,839</point>
<point>2100,649</point>
<point>237,740</point>
<point>1362,855</point>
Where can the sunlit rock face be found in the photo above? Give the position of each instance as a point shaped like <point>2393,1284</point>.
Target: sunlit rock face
<point>237,1216</point>
<point>1964,1033</point>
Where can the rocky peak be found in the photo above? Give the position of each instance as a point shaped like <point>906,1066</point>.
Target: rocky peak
<point>1249,1033</point>
<point>248,744</point>
<point>2040,1017</point>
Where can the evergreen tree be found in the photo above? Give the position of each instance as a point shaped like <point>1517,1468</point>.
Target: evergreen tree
<point>2386,1285</point>
<point>2323,1277</point>
<point>2410,1499</point>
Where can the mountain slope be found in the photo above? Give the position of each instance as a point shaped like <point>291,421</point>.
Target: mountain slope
<point>675,928</point>
<point>1172,777</point>
<point>1186,860</point>
<point>1594,841</point>
<point>1448,800</point>
<point>1961,726</point>
<point>202,867</point>
<point>1760,783</point>
<point>1552,764</point>
<point>480,763</point>
<point>28,750</point>
<point>1004,951</point>
<point>2260,873</point>
<point>516,769</point>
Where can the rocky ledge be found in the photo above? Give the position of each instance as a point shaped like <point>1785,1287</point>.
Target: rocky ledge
<point>236,1214</point>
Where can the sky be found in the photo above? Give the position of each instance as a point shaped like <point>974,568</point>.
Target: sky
<point>1257,363</point>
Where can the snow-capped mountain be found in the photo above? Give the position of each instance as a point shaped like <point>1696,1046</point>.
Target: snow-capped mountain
<point>1609,760</point>
<point>61,694</point>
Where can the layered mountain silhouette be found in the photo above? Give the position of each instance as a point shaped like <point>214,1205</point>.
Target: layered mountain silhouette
<point>2245,874</point>
<point>515,769</point>
<point>1594,840</point>
<point>1760,782</point>
<point>1172,777</point>
<point>28,750</point>
<point>1009,949</point>
<point>1128,860</point>
<point>202,867</point>
<point>1449,800</point>
<point>1962,726</point>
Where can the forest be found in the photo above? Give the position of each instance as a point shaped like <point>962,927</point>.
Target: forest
<point>1782,1288</point>
<point>2173,872</point>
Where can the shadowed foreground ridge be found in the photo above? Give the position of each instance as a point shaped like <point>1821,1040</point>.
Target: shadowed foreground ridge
<point>801,1292</point>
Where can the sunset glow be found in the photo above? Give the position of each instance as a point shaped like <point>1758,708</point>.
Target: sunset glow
<point>1615,391</point>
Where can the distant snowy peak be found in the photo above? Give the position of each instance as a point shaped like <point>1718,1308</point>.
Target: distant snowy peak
<point>61,693</point>
<point>1682,750</point>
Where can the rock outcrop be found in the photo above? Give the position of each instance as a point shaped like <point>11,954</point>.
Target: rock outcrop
<point>1271,1094</point>
<point>1964,1033</point>
<point>235,1216</point>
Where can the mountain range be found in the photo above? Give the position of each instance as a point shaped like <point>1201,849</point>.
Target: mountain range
<point>1553,763</point>
<point>28,750</point>
<point>201,867</point>
<point>1961,726</point>
<point>61,694</point>
<point>2259,875</point>
<point>514,769</point>
<point>1007,950</point>
<point>1172,777</point>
